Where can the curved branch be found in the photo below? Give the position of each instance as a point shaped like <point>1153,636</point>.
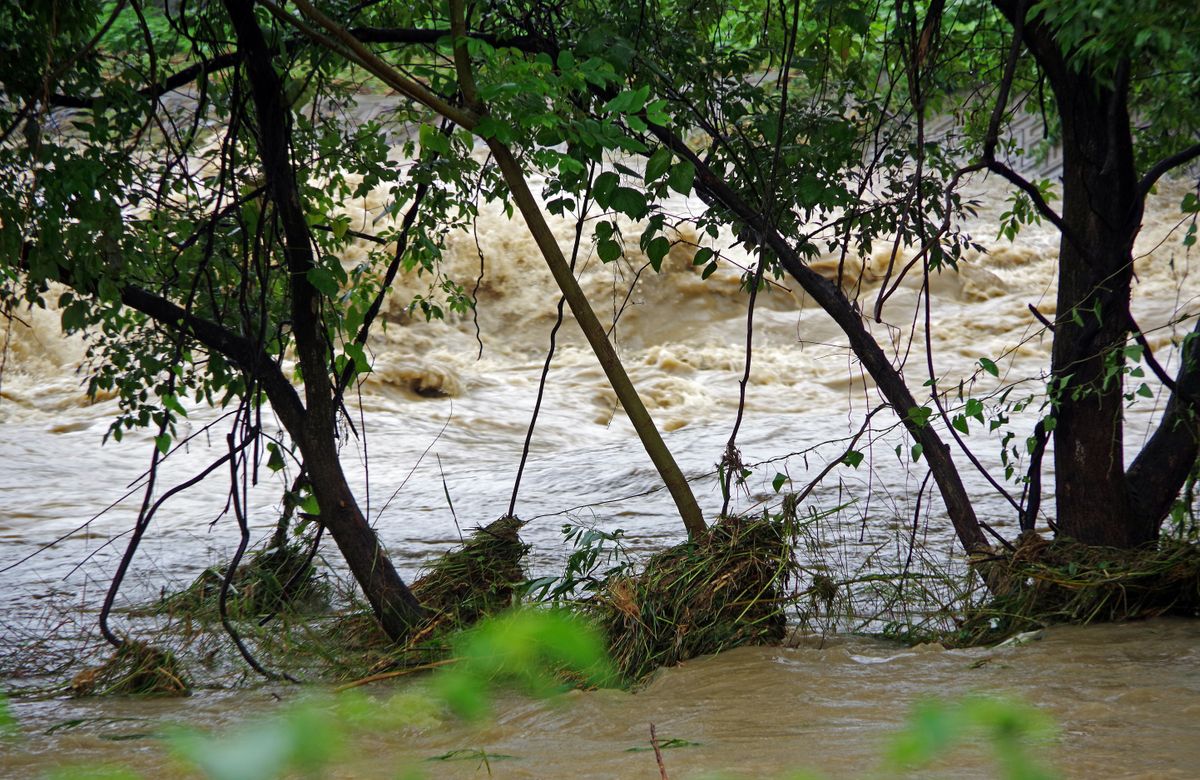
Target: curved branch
<point>1164,166</point>
<point>169,84</point>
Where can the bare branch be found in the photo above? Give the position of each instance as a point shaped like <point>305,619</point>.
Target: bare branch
<point>1164,166</point>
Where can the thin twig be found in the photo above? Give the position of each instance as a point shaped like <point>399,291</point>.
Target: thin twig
<point>394,674</point>
<point>658,756</point>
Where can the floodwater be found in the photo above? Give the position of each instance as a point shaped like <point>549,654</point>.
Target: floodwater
<point>436,447</point>
<point>1126,699</point>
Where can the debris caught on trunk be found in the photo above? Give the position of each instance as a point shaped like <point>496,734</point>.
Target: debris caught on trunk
<point>725,588</point>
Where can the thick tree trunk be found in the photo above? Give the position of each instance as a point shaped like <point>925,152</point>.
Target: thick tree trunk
<point>1101,209</point>
<point>394,605</point>
<point>1095,271</point>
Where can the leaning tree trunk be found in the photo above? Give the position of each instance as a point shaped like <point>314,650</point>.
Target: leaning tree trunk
<point>314,430</point>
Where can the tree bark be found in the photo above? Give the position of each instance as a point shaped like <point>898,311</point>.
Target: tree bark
<point>395,606</point>
<point>1101,215</point>
<point>1161,468</point>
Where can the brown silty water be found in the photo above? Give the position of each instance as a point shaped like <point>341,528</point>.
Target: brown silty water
<point>440,419</point>
<point>1126,699</point>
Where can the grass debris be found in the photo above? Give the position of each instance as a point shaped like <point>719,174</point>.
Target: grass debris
<point>135,669</point>
<point>729,587</point>
<point>1062,581</point>
<point>481,577</point>
<point>280,578</point>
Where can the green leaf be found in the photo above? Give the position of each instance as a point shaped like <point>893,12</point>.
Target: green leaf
<point>275,462</point>
<point>682,176</point>
<point>852,458</point>
<point>919,415</point>
<point>960,424</point>
<point>658,164</point>
<point>608,250</point>
<point>1144,391</point>
<point>604,187</point>
<point>702,256</point>
<point>629,201</point>
<point>169,401</point>
<point>709,270</point>
<point>356,353</point>
<point>309,505</point>
<point>74,317</point>
<point>989,366</point>
<point>917,449</point>
<point>163,442</point>
<point>323,279</point>
<point>657,250</point>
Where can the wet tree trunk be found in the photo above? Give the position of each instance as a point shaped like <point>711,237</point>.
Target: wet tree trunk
<point>1101,215</point>
<point>314,428</point>
<point>1092,325</point>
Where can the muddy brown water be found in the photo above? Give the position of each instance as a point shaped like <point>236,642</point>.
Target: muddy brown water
<point>1126,699</point>
<point>439,419</point>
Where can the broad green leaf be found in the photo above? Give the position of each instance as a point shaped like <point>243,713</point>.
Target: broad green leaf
<point>658,164</point>
<point>656,251</point>
<point>682,175</point>
<point>608,250</point>
<point>324,281</point>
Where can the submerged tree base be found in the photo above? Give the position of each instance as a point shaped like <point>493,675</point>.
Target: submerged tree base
<point>725,588</point>
<point>477,579</point>
<point>1043,582</point>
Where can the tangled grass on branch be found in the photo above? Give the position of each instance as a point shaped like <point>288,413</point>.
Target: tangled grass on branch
<point>724,589</point>
<point>281,578</point>
<point>478,579</point>
<point>1063,581</point>
<point>135,669</point>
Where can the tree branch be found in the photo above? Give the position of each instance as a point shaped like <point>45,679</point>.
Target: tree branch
<point>1165,165</point>
<point>155,91</point>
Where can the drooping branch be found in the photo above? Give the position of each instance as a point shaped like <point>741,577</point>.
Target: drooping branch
<point>714,189</point>
<point>173,82</point>
<point>216,338</point>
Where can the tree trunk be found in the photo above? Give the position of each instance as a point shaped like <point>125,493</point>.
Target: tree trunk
<point>393,603</point>
<point>1101,209</point>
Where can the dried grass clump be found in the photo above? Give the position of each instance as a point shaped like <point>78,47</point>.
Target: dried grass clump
<point>477,579</point>
<point>1063,581</point>
<point>272,580</point>
<point>135,669</point>
<point>724,589</point>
